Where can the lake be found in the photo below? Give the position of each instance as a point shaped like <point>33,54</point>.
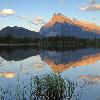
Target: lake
<point>33,73</point>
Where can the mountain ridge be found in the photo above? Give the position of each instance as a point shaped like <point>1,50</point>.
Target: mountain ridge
<point>60,24</point>
<point>18,32</point>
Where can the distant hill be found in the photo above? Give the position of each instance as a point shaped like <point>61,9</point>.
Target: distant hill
<point>61,25</point>
<point>19,32</point>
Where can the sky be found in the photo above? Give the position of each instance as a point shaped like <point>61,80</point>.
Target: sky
<point>32,14</point>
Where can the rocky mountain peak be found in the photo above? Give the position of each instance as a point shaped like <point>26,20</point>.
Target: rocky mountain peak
<point>58,17</point>
<point>60,25</point>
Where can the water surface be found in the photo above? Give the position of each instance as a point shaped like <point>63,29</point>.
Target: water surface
<point>29,73</point>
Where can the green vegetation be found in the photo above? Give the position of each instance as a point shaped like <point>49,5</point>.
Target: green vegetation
<point>51,40</point>
<point>12,40</point>
<point>48,87</point>
<point>53,87</point>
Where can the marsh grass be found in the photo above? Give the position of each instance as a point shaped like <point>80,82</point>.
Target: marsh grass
<point>48,87</point>
<point>53,87</point>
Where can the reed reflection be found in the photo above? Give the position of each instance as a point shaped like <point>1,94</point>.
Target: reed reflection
<point>48,87</point>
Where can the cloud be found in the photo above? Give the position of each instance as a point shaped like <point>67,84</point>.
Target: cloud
<point>24,17</point>
<point>92,1</point>
<point>38,21</point>
<point>95,7</point>
<point>6,12</point>
<point>61,1</point>
<point>39,18</point>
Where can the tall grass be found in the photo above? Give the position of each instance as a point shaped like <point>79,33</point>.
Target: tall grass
<point>53,87</point>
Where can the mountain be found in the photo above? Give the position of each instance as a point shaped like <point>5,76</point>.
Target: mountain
<point>61,25</point>
<point>18,53</point>
<point>91,59</point>
<point>61,61</point>
<point>19,32</point>
<point>65,57</point>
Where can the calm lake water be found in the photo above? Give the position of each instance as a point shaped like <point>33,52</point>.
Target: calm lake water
<point>28,73</point>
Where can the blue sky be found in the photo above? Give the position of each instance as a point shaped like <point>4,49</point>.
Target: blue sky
<point>32,14</point>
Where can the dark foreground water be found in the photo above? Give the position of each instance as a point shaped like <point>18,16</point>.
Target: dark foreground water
<point>30,73</point>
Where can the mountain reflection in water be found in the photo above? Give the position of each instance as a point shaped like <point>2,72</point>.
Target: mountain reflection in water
<point>81,62</point>
<point>29,73</point>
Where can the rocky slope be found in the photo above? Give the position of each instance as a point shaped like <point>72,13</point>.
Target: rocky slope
<point>61,25</point>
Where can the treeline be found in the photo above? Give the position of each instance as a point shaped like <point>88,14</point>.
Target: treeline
<point>14,40</point>
<point>49,40</point>
<point>63,41</point>
<point>68,40</point>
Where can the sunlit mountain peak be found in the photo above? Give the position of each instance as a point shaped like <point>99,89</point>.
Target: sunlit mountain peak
<point>65,26</point>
